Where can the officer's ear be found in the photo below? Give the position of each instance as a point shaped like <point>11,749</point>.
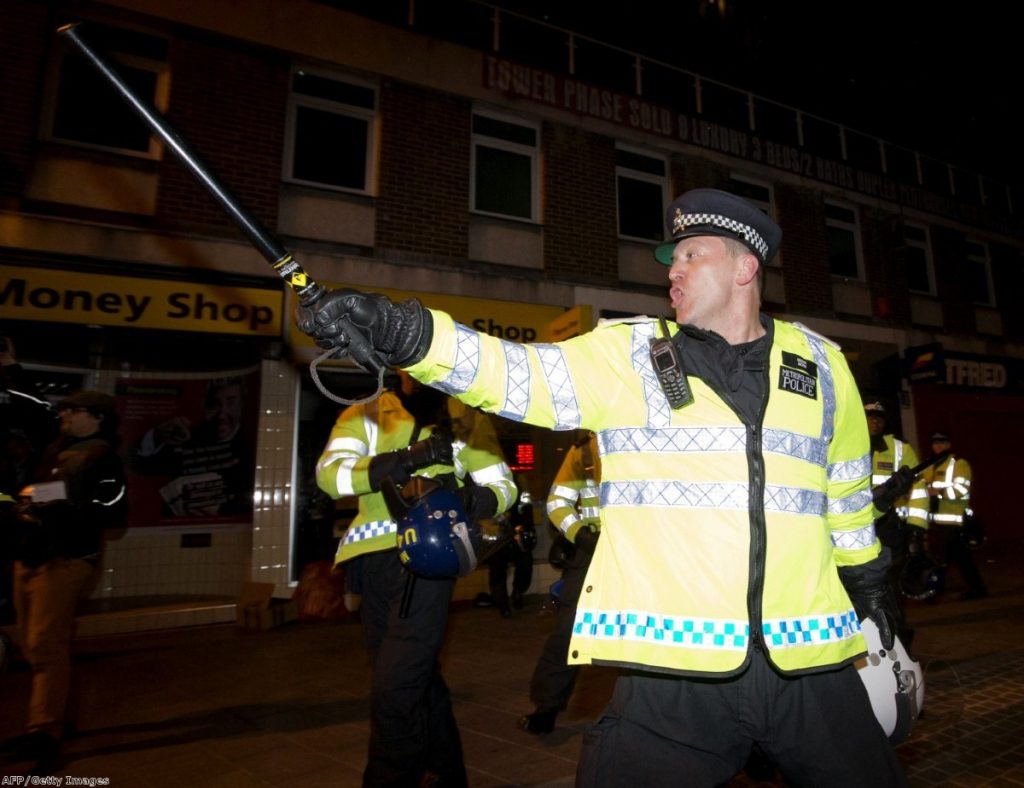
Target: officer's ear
<point>747,268</point>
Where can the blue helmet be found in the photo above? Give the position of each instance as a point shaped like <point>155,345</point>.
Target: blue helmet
<point>435,537</point>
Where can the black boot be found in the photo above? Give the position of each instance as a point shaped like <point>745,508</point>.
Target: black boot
<point>539,722</point>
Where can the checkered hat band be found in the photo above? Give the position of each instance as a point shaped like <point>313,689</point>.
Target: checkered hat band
<point>684,221</point>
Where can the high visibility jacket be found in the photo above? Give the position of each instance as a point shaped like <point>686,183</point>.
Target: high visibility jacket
<point>898,454</point>
<point>365,430</point>
<point>574,499</point>
<point>945,496</point>
<point>716,535</point>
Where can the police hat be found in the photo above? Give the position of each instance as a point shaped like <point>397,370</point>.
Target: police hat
<point>939,435</point>
<point>875,409</point>
<point>96,402</point>
<point>714,212</point>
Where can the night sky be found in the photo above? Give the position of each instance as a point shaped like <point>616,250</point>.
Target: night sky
<point>931,77</point>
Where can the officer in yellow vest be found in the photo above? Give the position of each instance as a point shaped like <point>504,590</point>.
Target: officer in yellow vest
<point>947,486</point>
<point>573,507</point>
<point>889,456</point>
<point>737,553</point>
<point>413,734</point>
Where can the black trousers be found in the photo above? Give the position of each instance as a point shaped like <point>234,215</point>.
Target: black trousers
<point>553,680</point>
<point>412,726</point>
<point>949,542</point>
<point>497,569</point>
<point>666,731</point>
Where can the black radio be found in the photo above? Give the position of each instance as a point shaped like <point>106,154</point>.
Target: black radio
<point>668,366</point>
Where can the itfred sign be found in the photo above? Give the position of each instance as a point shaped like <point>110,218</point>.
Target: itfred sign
<point>71,297</point>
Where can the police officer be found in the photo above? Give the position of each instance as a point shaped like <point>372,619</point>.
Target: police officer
<point>737,551</point>
<point>573,507</point>
<point>947,495</point>
<point>413,735</point>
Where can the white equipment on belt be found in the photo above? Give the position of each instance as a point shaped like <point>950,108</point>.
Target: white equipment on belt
<point>894,681</point>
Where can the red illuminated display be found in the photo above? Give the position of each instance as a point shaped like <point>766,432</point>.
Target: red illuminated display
<point>524,457</point>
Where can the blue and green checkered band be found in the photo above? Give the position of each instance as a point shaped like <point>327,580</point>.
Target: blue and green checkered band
<point>684,221</point>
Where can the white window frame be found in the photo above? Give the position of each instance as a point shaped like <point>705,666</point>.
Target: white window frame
<point>369,115</point>
<point>768,206</point>
<point>159,99</point>
<point>623,171</point>
<point>851,227</point>
<point>984,259</point>
<point>532,152</point>
<point>926,247</point>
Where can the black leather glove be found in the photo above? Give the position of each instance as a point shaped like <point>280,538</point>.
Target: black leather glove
<point>396,335</point>
<point>479,502</point>
<point>400,464</point>
<point>892,489</point>
<point>586,539</point>
<point>873,596</point>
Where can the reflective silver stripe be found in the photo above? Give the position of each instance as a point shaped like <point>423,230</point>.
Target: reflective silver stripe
<point>956,519</point>
<point>466,363</point>
<point>672,439</point>
<point>563,397</point>
<point>850,470</point>
<point>826,384</point>
<point>855,539</point>
<point>569,493</point>
<point>914,511</point>
<point>897,450</point>
<point>349,445</point>
<point>726,634</point>
<point>590,512</point>
<point>364,531</point>
<point>568,522</point>
<point>723,439</point>
<point>793,444</point>
<point>659,414</point>
<point>590,490</point>
<point>716,495</point>
<point>851,503</point>
<point>918,493</point>
<point>517,388</point>
<point>498,473</point>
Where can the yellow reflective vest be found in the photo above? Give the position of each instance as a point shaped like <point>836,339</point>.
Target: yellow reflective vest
<point>574,499</point>
<point>363,431</point>
<point>898,454</point>
<point>717,536</point>
<point>945,494</point>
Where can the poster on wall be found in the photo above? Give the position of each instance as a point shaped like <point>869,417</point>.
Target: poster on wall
<point>189,446</point>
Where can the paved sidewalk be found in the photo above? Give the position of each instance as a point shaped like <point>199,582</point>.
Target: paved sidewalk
<point>217,706</point>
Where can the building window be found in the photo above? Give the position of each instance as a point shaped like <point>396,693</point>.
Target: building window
<point>641,183</point>
<point>917,250</point>
<point>760,194</point>
<point>330,132</point>
<point>505,162</point>
<point>979,273</point>
<point>842,239</point>
<point>83,108</point>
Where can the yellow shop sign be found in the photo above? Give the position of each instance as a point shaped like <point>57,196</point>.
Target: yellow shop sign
<point>63,296</point>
